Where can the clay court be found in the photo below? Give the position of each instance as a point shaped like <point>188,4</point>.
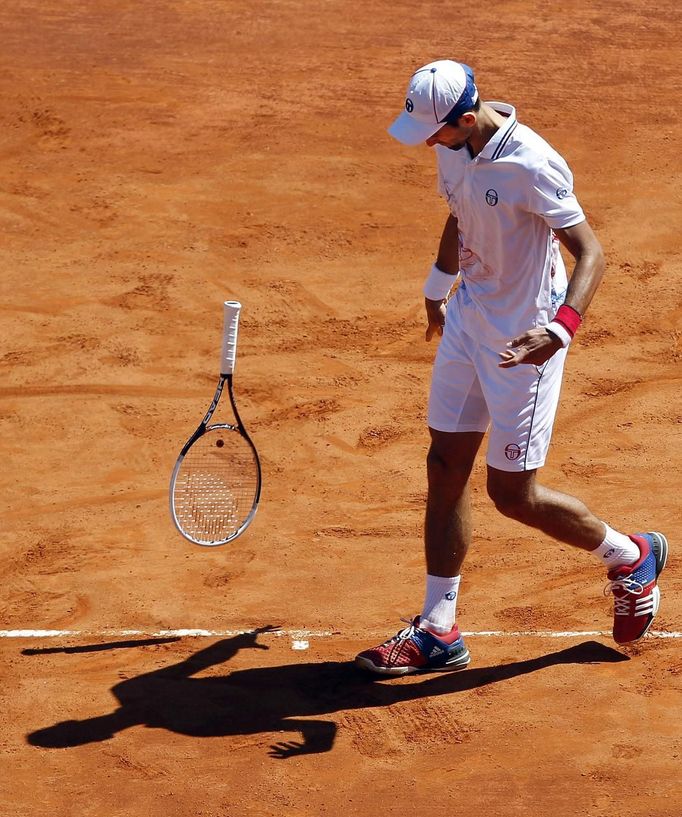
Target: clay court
<point>159,157</point>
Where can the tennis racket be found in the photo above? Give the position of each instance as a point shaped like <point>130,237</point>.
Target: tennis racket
<point>215,485</point>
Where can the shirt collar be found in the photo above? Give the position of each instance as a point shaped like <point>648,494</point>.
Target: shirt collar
<point>494,147</point>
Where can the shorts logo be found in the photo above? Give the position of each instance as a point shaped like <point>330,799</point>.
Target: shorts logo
<point>491,197</point>
<point>409,105</point>
<point>512,451</point>
<point>561,193</point>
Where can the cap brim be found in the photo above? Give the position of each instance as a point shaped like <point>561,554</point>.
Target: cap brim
<point>411,131</point>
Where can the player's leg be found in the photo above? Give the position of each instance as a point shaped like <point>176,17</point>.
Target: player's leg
<point>634,563</point>
<point>518,446</point>
<point>518,495</point>
<point>447,524</point>
<point>458,418</point>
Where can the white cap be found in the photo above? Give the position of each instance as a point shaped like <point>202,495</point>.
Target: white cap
<point>439,92</point>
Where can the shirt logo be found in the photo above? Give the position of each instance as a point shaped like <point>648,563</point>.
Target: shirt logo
<point>512,451</point>
<point>409,105</point>
<point>491,197</point>
<point>561,193</point>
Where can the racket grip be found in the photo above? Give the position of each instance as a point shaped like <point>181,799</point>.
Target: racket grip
<point>230,328</point>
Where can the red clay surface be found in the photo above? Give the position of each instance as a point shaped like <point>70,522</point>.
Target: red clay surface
<point>159,157</point>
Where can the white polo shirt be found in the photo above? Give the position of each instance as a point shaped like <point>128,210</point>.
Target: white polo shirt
<point>507,200</point>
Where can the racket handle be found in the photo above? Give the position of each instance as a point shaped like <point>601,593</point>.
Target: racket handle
<point>230,328</point>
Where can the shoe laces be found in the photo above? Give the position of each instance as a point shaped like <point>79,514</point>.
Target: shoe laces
<point>627,584</point>
<point>398,640</point>
<point>404,634</point>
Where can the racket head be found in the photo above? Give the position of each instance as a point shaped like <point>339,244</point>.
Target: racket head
<point>215,486</point>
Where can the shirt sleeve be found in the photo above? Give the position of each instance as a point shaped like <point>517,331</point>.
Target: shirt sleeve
<point>552,197</point>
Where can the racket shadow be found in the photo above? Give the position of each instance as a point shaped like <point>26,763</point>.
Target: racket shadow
<point>265,700</point>
<point>103,647</point>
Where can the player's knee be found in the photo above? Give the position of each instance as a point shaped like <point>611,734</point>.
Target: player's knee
<point>446,468</point>
<point>511,501</point>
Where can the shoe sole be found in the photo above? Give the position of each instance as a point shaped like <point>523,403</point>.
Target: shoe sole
<point>660,548</point>
<point>461,662</point>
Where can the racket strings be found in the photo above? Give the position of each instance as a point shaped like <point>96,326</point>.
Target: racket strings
<point>216,486</point>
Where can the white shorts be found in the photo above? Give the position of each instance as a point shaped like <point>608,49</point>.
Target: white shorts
<point>469,392</point>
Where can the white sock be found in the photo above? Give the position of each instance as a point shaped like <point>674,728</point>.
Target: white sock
<point>440,604</point>
<point>616,549</point>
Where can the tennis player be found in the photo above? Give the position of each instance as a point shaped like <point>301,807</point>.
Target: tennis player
<point>504,337</point>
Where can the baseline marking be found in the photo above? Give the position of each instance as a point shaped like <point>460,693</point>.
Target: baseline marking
<point>301,636</point>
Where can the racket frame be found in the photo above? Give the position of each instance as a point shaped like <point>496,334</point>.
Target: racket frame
<point>201,430</point>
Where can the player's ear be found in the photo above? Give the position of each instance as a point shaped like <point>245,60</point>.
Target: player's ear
<point>467,120</point>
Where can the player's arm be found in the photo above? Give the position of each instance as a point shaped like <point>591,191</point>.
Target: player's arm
<point>584,246</point>
<point>537,345</point>
<point>447,263</point>
<point>448,249</point>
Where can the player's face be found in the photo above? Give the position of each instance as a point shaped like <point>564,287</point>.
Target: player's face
<point>451,136</point>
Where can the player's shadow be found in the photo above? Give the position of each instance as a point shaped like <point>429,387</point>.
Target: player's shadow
<point>277,699</point>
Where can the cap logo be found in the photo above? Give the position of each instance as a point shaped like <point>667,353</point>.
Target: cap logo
<point>409,105</point>
<point>491,197</point>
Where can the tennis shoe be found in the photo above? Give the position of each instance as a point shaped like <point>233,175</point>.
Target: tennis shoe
<point>636,595</point>
<point>415,649</point>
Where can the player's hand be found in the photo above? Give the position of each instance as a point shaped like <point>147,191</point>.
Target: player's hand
<point>285,749</point>
<point>268,628</point>
<point>535,346</point>
<point>435,315</point>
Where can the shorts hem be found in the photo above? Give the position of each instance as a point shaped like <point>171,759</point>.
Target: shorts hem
<point>519,466</point>
<point>459,428</point>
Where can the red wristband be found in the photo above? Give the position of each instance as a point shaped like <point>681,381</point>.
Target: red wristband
<point>569,318</point>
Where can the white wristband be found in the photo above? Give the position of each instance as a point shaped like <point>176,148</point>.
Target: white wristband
<point>560,331</point>
<point>438,284</point>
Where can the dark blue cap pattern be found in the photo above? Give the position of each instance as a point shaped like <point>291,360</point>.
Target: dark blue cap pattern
<point>467,99</point>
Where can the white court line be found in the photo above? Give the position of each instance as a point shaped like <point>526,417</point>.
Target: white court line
<point>183,633</point>
<point>301,635</point>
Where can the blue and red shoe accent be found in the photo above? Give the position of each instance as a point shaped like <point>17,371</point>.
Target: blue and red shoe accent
<point>415,649</point>
<point>636,596</point>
